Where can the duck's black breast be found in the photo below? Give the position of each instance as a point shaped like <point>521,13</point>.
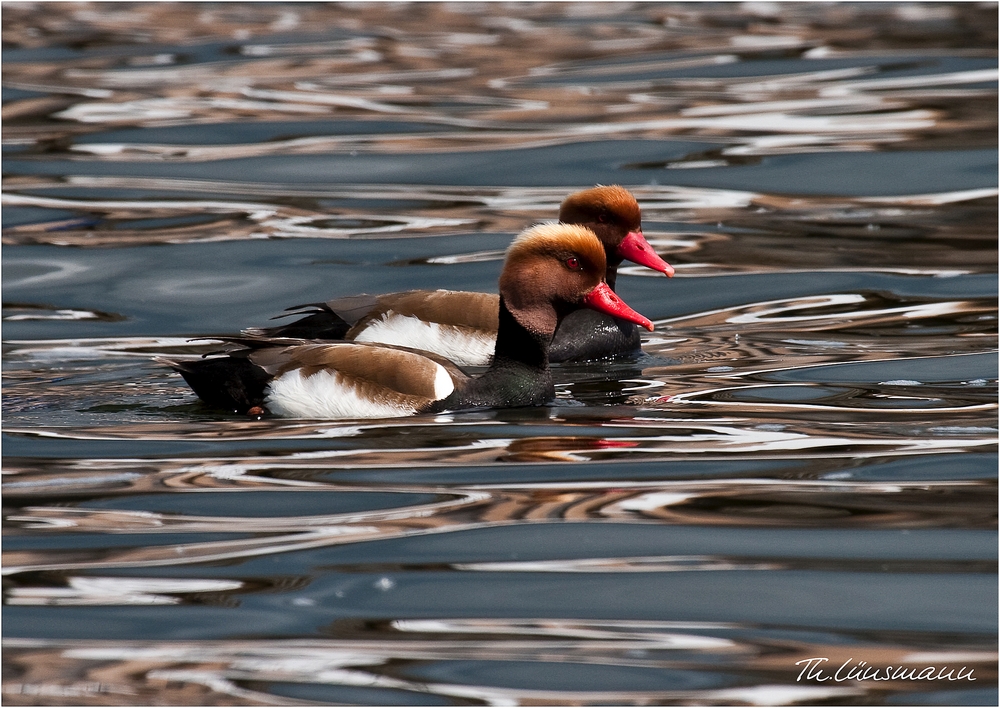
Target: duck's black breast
<point>518,376</point>
<point>585,335</point>
<point>507,384</point>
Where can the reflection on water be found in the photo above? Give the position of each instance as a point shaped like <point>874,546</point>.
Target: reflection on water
<point>802,464</point>
<point>402,662</point>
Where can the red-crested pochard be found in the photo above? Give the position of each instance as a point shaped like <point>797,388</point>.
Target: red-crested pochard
<point>549,270</point>
<point>462,326</point>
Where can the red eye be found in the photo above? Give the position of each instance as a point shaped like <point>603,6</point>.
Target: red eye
<point>573,263</point>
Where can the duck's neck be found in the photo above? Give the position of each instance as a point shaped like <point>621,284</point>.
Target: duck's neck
<point>517,345</point>
<point>518,376</point>
<point>611,273</point>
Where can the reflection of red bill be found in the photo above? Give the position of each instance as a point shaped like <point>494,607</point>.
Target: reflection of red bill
<point>615,443</point>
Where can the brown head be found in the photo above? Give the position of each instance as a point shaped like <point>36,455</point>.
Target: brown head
<point>553,268</point>
<point>613,214</point>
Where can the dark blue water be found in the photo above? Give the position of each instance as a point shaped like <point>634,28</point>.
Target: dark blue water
<point>798,477</point>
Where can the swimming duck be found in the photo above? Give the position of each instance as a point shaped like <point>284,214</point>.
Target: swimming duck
<point>462,326</point>
<point>549,271</point>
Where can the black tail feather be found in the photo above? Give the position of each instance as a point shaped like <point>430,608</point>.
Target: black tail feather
<point>319,323</point>
<point>233,383</point>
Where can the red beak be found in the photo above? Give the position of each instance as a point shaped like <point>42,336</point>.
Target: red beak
<point>636,248</point>
<point>603,299</point>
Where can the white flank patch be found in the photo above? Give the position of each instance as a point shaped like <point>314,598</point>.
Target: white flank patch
<point>325,394</point>
<point>462,346</point>
<point>443,385</point>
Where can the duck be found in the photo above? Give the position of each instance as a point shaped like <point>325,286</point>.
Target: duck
<point>549,271</point>
<point>462,326</point>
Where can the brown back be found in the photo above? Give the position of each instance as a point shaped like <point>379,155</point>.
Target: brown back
<point>400,370</point>
<point>447,307</point>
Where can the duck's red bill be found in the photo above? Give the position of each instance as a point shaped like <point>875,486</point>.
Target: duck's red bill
<point>603,299</point>
<point>636,248</point>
